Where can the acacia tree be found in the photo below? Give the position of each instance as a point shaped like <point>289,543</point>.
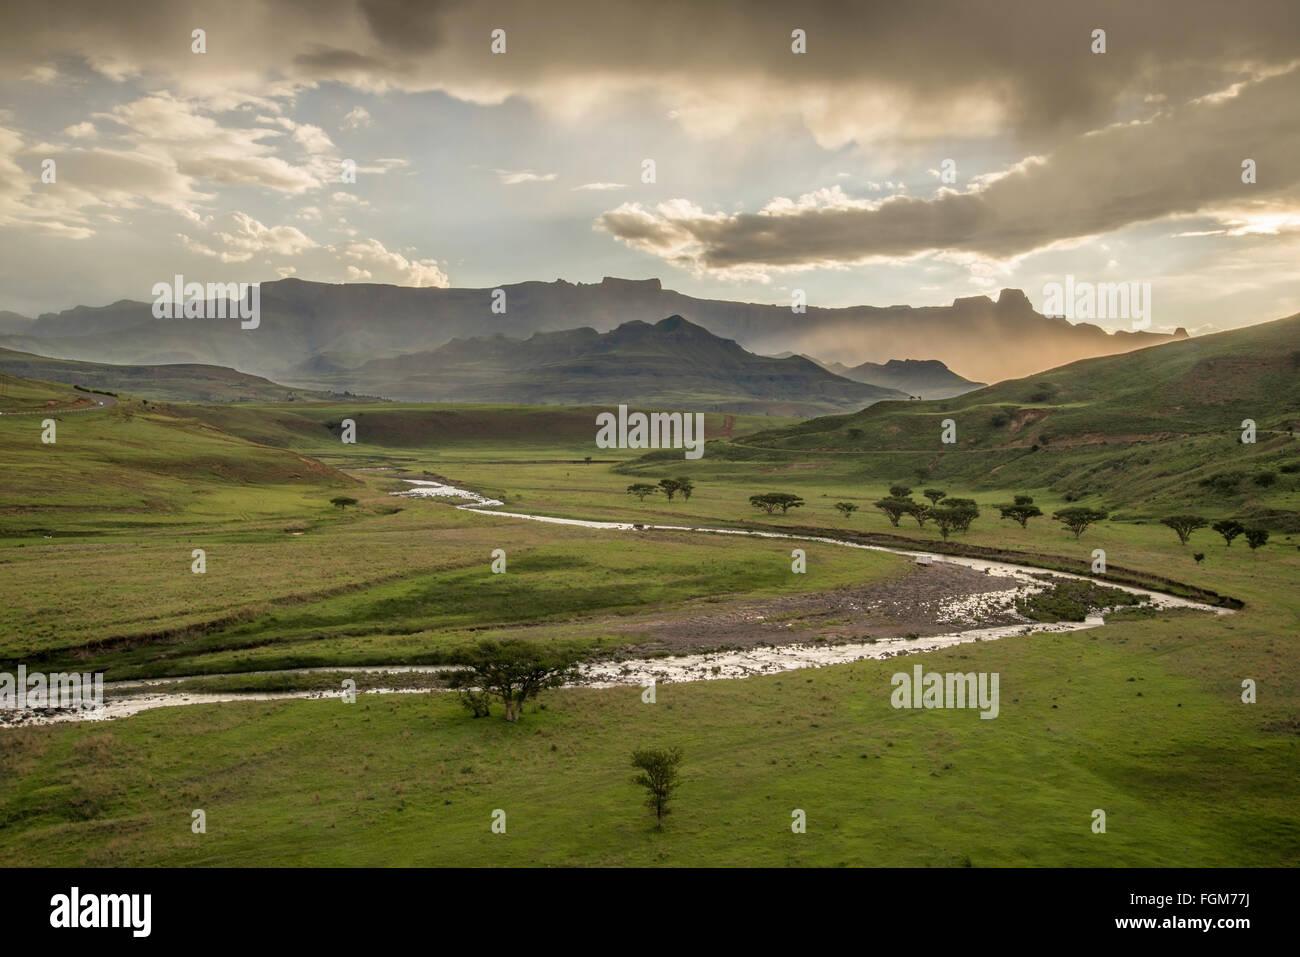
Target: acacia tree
<point>966,512</point>
<point>899,491</point>
<point>343,501</point>
<point>1229,528</point>
<point>669,487</point>
<point>1255,537</point>
<point>919,511</point>
<point>641,490</point>
<point>846,508</point>
<point>514,670</point>
<point>1022,510</point>
<point>934,494</point>
<point>771,501</point>
<point>686,487</point>
<point>1078,519</point>
<point>895,507</point>
<point>658,776</point>
<point>946,517</point>
<point>1184,525</point>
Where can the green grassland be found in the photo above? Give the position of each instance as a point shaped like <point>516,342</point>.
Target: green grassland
<point>25,395</point>
<point>179,382</point>
<point>1151,430</point>
<point>1142,718</point>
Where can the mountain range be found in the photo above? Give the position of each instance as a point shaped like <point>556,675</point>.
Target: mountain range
<point>309,327</point>
<point>670,362</point>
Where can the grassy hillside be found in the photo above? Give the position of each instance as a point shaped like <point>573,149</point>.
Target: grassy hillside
<point>134,464</point>
<point>169,383</point>
<point>18,394</point>
<point>1150,430</point>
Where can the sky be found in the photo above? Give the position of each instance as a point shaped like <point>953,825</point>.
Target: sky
<point>911,153</point>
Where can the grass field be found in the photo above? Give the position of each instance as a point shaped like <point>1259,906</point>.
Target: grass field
<point>1142,718</point>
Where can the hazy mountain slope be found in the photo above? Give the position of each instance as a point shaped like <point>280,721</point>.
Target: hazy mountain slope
<point>975,337</point>
<point>1205,384</point>
<point>171,383</point>
<point>670,362</point>
<point>1161,425</point>
<point>11,323</point>
<point>924,378</point>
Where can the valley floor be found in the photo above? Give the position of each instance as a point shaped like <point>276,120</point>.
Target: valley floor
<point>1142,718</point>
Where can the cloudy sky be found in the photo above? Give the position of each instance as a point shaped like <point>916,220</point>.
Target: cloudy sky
<point>774,170</point>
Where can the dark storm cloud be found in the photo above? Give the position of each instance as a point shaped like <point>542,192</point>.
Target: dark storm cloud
<point>1183,161</point>
<point>1029,59</point>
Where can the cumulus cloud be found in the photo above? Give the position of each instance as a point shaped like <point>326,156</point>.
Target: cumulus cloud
<point>240,238</point>
<point>373,259</point>
<point>89,183</point>
<point>182,135</point>
<point>248,238</point>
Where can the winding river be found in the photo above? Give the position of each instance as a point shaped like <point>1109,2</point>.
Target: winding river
<point>147,694</point>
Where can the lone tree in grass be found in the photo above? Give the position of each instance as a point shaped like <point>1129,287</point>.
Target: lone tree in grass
<point>770,502</point>
<point>934,494</point>
<point>899,491</point>
<point>342,501</point>
<point>1255,537</point>
<point>894,507</point>
<point>686,487</point>
<point>513,670</point>
<point>1229,528</point>
<point>846,508</point>
<point>1078,519</point>
<point>669,487</point>
<point>641,490</point>
<point>1184,525</point>
<point>658,776</point>
<point>1022,511</point>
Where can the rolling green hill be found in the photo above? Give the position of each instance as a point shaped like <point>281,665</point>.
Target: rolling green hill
<point>1161,426</point>
<point>18,394</point>
<point>132,463</point>
<point>182,382</point>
